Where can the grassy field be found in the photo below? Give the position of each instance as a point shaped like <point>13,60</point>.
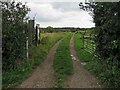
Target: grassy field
<point>37,55</point>
<point>62,62</point>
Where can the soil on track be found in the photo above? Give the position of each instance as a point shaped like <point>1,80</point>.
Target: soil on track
<point>43,75</point>
<point>81,78</point>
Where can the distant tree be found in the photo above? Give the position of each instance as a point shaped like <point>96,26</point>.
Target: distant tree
<point>50,29</point>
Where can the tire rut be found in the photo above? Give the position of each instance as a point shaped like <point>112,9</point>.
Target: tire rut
<point>81,78</point>
<point>43,75</point>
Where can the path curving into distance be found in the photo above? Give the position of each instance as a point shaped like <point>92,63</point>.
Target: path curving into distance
<point>43,75</point>
<point>81,78</point>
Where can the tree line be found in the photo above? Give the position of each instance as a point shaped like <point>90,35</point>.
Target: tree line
<point>63,29</point>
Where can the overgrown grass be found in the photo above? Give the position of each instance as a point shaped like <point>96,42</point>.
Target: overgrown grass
<point>110,77</point>
<point>62,63</point>
<point>25,68</point>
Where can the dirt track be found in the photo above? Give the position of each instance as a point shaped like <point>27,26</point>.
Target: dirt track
<point>43,76</point>
<point>81,77</point>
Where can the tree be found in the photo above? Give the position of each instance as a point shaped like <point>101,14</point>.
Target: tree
<point>106,17</point>
<point>14,26</point>
<point>50,29</point>
<point>107,29</point>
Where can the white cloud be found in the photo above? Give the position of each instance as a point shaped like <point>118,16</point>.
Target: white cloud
<point>44,12</point>
<point>52,0</point>
<point>59,14</point>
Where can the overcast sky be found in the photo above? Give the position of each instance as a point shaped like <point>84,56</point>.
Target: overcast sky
<point>59,14</point>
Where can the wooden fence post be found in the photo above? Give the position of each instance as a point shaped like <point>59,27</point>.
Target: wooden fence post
<point>29,37</point>
<point>30,32</point>
<point>37,34</point>
<point>83,40</point>
<point>87,42</point>
<point>27,51</point>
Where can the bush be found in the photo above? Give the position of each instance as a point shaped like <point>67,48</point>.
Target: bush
<point>14,26</point>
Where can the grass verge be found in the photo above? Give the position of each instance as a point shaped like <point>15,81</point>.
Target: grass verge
<point>62,62</point>
<point>25,68</point>
<point>82,54</point>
